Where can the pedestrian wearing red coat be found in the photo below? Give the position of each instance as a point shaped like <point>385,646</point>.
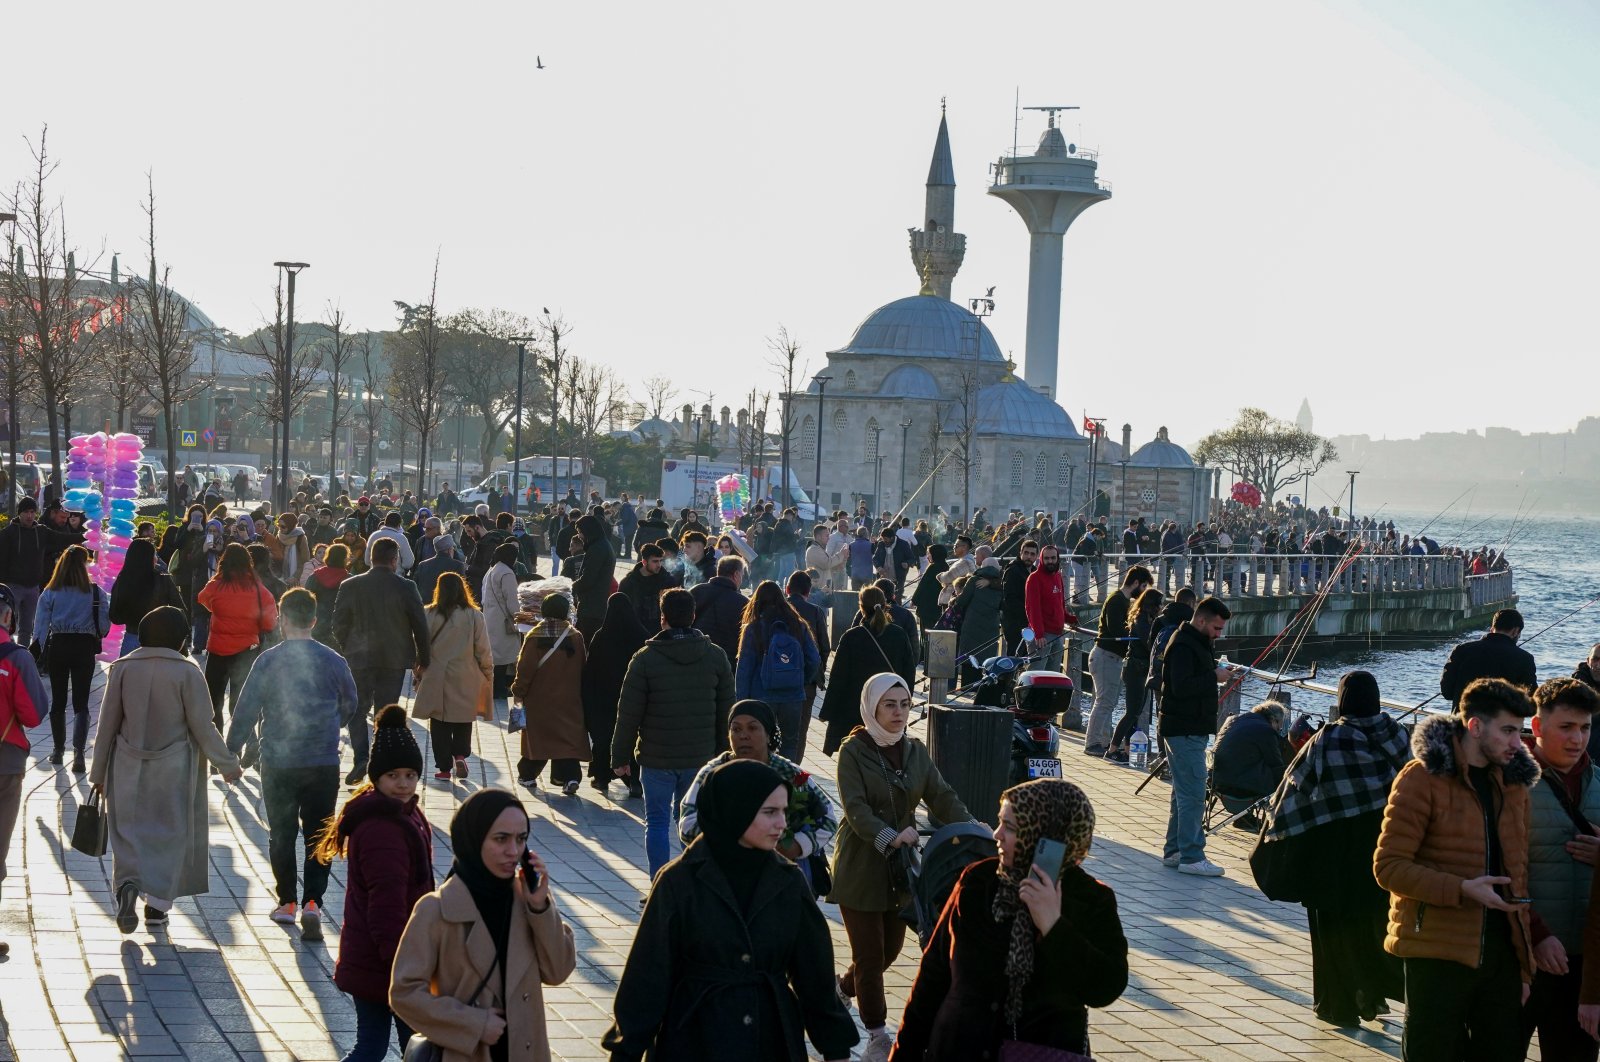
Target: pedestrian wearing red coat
<point>1045,600</point>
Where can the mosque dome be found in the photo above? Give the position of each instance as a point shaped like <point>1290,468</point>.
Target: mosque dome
<point>661,429</point>
<point>1161,452</point>
<point>910,381</point>
<point>1014,408</point>
<point>921,326</point>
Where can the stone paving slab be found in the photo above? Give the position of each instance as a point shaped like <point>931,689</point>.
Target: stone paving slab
<point>1218,971</point>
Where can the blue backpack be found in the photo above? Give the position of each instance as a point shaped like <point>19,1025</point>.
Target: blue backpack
<point>783,668</point>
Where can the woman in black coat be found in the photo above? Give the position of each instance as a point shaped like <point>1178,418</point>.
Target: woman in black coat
<point>866,650</point>
<point>733,958</point>
<point>619,637</point>
<point>925,598</point>
<point>1015,957</point>
<point>653,528</point>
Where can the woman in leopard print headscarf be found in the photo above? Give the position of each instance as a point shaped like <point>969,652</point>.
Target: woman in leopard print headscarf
<point>1016,956</point>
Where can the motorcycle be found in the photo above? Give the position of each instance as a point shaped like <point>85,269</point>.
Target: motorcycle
<point>1034,699</point>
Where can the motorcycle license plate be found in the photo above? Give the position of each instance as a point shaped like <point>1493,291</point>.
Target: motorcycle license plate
<point>1044,768</point>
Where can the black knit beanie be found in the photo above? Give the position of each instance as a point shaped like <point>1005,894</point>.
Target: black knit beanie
<point>393,747</point>
<point>762,713</point>
<point>1358,695</point>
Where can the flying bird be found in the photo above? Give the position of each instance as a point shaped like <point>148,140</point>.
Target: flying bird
<point>989,294</point>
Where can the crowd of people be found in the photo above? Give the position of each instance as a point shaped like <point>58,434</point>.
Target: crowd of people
<point>269,642</point>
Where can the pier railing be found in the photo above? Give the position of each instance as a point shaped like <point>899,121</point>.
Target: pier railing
<point>1232,575</point>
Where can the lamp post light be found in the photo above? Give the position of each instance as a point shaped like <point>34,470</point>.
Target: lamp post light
<point>286,382</point>
<point>761,450</point>
<point>516,432</point>
<point>905,428</point>
<point>12,372</point>
<point>694,483</point>
<point>1351,515</point>
<point>980,308</point>
<point>822,381</point>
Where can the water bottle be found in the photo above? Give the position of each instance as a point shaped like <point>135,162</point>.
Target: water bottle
<point>1139,750</point>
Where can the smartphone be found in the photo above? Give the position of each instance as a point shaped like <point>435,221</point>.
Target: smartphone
<point>530,876</point>
<point>1519,899</point>
<point>1050,856</point>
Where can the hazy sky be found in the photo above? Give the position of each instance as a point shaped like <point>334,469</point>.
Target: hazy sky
<point>1392,213</point>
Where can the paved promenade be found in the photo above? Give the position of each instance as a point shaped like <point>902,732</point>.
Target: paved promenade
<point>1219,972</point>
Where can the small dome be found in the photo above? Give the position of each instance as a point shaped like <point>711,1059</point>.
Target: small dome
<point>910,381</point>
<point>657,427</point>
<point>1014,408</point>
<point>1161,452</point>
<point>921,326</point>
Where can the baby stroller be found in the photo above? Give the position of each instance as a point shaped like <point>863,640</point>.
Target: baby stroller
<point>949,851</point>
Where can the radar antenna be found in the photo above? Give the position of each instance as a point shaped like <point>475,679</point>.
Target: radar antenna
<point>1052,111</point>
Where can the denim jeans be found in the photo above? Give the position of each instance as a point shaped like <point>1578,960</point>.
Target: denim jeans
<point>788,714</point>
<point>1186,759</point>
<point>376,687</point>
<point>27,607</point>
<point>299,801</point>
<point>374,1021</point>
<point>664,790</point>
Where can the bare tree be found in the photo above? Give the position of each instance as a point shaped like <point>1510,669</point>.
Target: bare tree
<point>162,344</point>
<point>49,314</point>
<point>594,395</point>
<point>339,352</point>
<point>963,454</point>
<point>377,385</point>
<point>659,392</point>
<point>554,329</point>
<point>785,358</point>
<point>481,367</point>
<point>300,367</point>
<point>416,373</point>
<point>118,372</point>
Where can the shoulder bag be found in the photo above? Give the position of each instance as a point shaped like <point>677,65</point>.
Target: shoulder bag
<point>421,1049</point>
<point>517,716</point>
<point>1015,1050</point>
<point>509,615</point>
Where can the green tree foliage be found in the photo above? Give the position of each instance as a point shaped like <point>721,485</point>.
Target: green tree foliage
<point>1266,451</point>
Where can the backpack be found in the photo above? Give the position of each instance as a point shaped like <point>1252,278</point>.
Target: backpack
<point>1158,654</point>
<point>861,559</point>
<point>783,666</point>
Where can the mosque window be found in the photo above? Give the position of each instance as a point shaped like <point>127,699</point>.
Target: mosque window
<point>840,420</point>
<point>1016,469</point>
<point>1063,471</point>
<point>808,439</point>
<point>1041,471</point>
<point>850,380</point>
<point>872,440</point>
<point>925,463</point>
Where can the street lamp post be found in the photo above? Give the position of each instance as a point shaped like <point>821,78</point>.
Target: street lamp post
<point>980,308</point>
<point>516,432</point>
<point>1351,515</point>
<point>12,371</point>
<point>285,382</point>
<point>761,451</point>
<point>694,483</point>
<point>822,382</point>
<point>1122,493</point>
<point>905,428</point>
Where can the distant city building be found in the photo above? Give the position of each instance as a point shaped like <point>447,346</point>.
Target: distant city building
<point>1302,419</point>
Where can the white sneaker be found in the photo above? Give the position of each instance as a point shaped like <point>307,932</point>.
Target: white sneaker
<point>879,1043</point>
<point>1205,869</point>
<point>1169,861</point>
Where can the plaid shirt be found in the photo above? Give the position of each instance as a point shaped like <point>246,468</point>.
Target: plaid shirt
<point>1346,769</point>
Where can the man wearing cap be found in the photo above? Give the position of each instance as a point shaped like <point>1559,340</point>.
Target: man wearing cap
<point>22,699</point>
<point>297,698</point>
<point>26,546</point>
<point>1495,655</point>
<point>444,559</point>
<point>365,517</point>
<point>417,533</point>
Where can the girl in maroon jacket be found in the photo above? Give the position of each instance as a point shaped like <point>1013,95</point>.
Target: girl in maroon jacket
<point>389,845</point>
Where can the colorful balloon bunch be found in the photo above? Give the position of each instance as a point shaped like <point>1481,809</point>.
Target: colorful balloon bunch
<point>1246,494</point>
<point>112,463</point>
<point>733,495</point>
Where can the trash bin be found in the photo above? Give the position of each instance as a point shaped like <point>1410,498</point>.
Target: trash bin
<point>843,606</point>
<point>972,749</point>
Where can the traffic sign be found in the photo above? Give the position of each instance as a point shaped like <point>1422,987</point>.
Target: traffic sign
<point>30,457</point>
<point>188,437</point>
<point>208,435</point>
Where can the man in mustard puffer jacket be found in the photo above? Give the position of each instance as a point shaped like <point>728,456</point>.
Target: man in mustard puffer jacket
<point>1453,855</point>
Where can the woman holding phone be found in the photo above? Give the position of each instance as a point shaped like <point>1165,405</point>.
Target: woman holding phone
<point>1027,942</point>
<point>476,951</point>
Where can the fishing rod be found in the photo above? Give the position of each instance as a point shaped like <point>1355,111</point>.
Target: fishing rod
<point>1441,513</point>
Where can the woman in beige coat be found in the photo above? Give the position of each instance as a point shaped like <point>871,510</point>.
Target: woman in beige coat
<point>500,609</point>
<point>455,689</point>
<point>473,959</point>
<point>549,685</point>
<point>156,732</point>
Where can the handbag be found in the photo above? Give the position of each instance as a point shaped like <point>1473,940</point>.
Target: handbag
<point>1277,868</point>
<point>421,1049</point>
<point>90,831</point>
<point>1017,1051</point>
<point>821,876</point>
<point>508,619</point>
<point>517,717</point>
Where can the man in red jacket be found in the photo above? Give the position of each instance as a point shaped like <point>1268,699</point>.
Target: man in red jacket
<point>21,696</point>
<point>1045,600</point>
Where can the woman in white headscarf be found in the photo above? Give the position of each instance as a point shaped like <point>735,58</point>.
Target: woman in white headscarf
<point>883,775</point>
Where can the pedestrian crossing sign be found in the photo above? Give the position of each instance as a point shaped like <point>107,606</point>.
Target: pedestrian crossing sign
<point>189,437</point>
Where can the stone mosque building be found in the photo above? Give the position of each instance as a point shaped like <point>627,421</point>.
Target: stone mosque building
<point>895,400</point>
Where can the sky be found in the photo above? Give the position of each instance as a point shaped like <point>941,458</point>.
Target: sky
<point>1388,209</point>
